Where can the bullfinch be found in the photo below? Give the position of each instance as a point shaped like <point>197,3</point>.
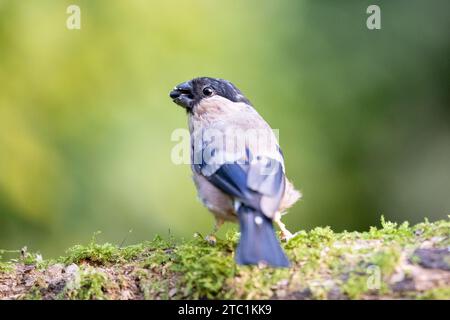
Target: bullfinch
<point>238,167</point>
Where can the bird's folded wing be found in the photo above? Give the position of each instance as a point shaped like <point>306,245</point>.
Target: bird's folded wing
<point>251,184</point>
<point>252,174</point>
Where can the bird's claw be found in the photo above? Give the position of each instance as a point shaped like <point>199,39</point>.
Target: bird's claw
<point>286,236</point>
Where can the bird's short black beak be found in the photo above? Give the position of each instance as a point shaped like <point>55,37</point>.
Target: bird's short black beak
<point>182,95</point>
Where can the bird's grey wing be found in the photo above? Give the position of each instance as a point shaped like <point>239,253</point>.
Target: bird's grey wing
<point>267,178</point>
<point>253,176</point>
<point>258,184</point>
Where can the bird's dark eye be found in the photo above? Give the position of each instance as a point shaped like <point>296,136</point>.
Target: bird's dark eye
<point>208,91</point>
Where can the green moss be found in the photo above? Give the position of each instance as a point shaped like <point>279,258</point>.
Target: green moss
<point>105,253</point>
<point>6,267</point>
<point>88,283</point>
<point>151,286</point>
<point>368,259</point>
<point>355,286</point>
<point>158,253</point>
<point>315,238</point>
<point>33,258</point>
<point>311,250</point>
<point>204,268</point>
<point>386,259</point>
<point>25,257</point>
<point>157,258</point>
<point>436,294</point>
<point>439,229</point>
<point>33,294</point>
<point>93,252</point>
<point>324,264</point>
<point>256,282</point>
<point>391,231</point>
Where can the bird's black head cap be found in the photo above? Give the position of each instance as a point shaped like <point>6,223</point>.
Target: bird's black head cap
<point>190,93</point>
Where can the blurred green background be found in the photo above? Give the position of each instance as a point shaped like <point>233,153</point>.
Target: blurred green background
<point>85,118</point>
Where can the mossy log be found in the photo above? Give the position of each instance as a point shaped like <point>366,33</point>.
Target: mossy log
<point>390,262</point>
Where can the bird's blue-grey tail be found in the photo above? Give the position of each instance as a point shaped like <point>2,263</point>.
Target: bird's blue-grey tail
<point>258,242</point>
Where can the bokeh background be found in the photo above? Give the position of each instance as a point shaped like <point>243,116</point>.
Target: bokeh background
<point>85,118</point>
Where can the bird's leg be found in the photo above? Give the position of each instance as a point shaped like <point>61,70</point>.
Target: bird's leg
<point>211,238</point>
<point>285,233</point>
